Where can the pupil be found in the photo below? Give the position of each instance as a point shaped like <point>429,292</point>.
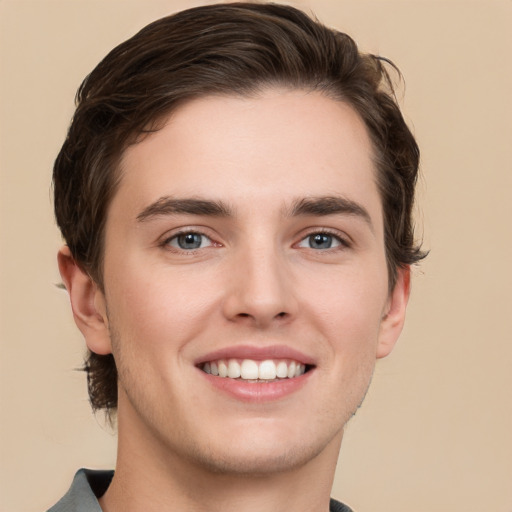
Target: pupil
<point>320,241</point>
<point>189,241</point>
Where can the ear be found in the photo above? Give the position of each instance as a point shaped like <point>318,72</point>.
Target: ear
<point>394,314</point>
<point>87,302</point>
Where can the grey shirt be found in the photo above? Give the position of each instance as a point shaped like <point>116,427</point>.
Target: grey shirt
<point>89,485</point>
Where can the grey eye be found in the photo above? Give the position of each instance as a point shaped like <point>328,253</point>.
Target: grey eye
<point>320,241</point>
<point>189,241</point>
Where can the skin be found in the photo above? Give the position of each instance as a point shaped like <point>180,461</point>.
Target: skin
<point>254,282</point>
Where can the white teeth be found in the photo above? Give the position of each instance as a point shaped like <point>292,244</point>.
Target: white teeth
<point>249,369</point>
<point>223,368</point>
<point>267,370</point>
<point>233,369</point>
<point>281,370</point>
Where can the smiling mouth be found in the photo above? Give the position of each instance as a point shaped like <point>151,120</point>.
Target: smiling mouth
<point>251,370</point>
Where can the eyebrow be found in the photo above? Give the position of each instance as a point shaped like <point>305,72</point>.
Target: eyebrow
<point>330,205</point>
<point>169,206</point>
<point>317,206</point>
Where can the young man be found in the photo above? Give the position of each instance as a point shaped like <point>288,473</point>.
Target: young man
<point>235,194</point>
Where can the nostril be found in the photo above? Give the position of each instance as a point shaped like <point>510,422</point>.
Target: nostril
<point>282,314</point>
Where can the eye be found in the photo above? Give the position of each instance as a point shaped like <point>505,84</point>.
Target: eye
<point>321,241</point>
<point>189,241</point>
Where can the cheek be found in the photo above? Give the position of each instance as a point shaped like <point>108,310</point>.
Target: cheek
<point>160,308</point>
<point>349,303</point>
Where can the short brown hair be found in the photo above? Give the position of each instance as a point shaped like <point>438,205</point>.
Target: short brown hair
<point>239,49</point>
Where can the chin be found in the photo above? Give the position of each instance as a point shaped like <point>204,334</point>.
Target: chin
<point>263,452</point>
<point>253,464</point>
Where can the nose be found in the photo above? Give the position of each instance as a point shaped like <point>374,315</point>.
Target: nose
<point>260,289</point>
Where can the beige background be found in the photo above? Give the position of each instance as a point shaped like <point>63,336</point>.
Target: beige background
<point>435,431</point>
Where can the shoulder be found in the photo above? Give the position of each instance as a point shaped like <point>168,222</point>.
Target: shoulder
<point>336,506</point>
<point>87,486</point>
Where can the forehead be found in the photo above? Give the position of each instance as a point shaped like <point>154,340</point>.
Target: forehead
<point>277,145</point>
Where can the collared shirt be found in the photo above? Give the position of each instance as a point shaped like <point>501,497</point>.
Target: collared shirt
<point>89,485</point>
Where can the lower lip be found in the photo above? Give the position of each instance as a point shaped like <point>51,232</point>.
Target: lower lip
<point>258,391</point>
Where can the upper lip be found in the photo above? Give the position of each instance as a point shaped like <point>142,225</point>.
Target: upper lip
<point>257,353</point>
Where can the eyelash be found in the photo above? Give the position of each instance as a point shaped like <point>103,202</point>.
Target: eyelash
<point>342,241</point>
<point>166,243</point>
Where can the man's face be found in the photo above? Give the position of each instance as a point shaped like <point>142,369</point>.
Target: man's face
<point>247,230</point>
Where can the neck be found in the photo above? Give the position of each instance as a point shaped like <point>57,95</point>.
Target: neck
<point>151,479</point>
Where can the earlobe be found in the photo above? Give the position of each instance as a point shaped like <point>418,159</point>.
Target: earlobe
<point>87,303</point>
<point>394,316</point>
